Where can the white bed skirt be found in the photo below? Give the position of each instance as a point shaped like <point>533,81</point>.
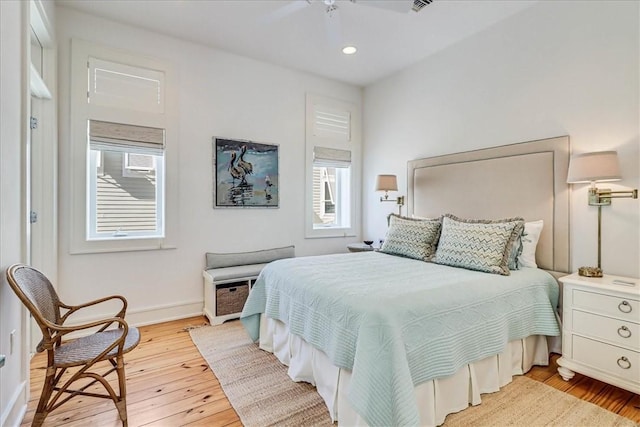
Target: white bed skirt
<point>436,398</point>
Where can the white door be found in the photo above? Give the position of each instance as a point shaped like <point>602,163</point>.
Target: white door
<point>41,162</point>
<point>35,335</point>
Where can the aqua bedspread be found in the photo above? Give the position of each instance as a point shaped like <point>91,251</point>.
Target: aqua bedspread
<point>396,322</point>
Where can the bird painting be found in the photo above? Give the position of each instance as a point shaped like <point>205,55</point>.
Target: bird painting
<point>246,173</point>
<point>267,184</point>
<point>236,172</point>
<point>246,166</point>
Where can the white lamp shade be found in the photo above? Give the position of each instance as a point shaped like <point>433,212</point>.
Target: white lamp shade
<point>594,167</point>
<point>386,183</point>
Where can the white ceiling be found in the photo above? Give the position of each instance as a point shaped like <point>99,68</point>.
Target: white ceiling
<point>299,35</point>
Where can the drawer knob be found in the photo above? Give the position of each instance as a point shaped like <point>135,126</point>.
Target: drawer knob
<point>624,363</point>
<point>625,307</point>
<point>624,332</point>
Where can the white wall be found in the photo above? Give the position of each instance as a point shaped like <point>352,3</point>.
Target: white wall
<point>558,68</point>
<point>220,94</point>
<point>13,28</point>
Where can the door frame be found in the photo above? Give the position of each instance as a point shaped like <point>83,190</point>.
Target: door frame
<point>40,190</point>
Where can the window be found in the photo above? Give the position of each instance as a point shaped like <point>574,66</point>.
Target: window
<point>331,188</point>
<point>333,146</point>
<point>328,180</point>
<point>125,185</point>
<point>123,151</point>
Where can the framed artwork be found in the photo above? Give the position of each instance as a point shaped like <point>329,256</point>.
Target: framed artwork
<point>245,174</point>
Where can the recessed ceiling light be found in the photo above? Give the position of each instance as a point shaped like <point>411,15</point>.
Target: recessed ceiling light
<point>349,50</point>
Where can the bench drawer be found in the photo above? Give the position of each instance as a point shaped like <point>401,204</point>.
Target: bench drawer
<point>230,297</point>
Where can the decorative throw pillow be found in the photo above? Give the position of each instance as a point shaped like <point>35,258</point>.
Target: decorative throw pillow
<point>514,253</point>
<point>530,237</point>
<point>411,238</point>
<point>483,245</point>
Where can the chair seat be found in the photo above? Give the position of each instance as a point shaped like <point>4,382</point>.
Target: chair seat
<point>84,349</point>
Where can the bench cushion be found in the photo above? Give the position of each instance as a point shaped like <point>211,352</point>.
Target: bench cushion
<point>235,272</point>
<point>222,260</point>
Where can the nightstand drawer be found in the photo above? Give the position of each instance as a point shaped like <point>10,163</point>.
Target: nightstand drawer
<point>617,361</point>
<point>622,308</point>
<point>612,330</point>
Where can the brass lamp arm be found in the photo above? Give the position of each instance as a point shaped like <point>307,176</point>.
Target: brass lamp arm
<point>398,200</point>
<point>603,196</point>
<point>624,194</point>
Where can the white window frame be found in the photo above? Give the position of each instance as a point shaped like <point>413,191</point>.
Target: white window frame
<point>81,111</point>
<point>92,233</point>
<point>324,139</point>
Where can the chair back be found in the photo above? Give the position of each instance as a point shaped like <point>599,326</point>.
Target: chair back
<point>37,294</point>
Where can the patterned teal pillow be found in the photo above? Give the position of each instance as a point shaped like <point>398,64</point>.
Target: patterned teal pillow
<point>411,238</point>
<point>482,245</point>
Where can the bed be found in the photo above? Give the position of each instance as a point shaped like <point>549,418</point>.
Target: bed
<point>389,340</point>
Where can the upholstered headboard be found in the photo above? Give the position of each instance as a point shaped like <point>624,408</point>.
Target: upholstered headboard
<point>526,179</point>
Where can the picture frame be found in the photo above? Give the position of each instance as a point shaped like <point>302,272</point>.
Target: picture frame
<point>245,174</point>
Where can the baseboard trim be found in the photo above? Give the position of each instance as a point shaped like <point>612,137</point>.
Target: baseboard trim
<point>164,313</point>
<point>16,408</point>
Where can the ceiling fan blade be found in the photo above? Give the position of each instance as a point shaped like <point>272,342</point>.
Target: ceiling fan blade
<point>282,12</point>
<point>402,6</point>
<point>333,26</point>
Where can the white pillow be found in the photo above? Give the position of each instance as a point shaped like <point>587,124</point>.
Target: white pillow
<point>530,239</point>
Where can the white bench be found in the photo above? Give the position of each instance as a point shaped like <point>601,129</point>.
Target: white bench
<point>229,277</point>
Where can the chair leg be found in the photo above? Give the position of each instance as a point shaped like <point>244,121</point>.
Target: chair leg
<point>122,402</point>
<point>47,389</point>
<point>38,419</point>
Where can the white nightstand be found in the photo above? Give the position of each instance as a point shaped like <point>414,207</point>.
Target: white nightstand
<point>601,330</point>
<point>359,247</point>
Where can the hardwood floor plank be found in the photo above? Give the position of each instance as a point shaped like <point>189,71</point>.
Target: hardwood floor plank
<point>170,384</point>
<point>227,418</point>
<point>156,408</point>
<point>632,408</point>
<point>612,398</point>
<point>153,387</point>
<point>213,415</point>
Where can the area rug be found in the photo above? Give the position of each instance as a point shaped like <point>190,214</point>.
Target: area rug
<point>262,393</point>
<point>255,382</point>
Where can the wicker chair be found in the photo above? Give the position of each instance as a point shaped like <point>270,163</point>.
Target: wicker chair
<point>37,294</point>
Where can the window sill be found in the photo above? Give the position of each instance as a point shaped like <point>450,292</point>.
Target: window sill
<point>128,245</point>
<point>322,233</point>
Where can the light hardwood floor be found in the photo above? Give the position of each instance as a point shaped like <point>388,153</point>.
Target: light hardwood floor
<point>170,384</point>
